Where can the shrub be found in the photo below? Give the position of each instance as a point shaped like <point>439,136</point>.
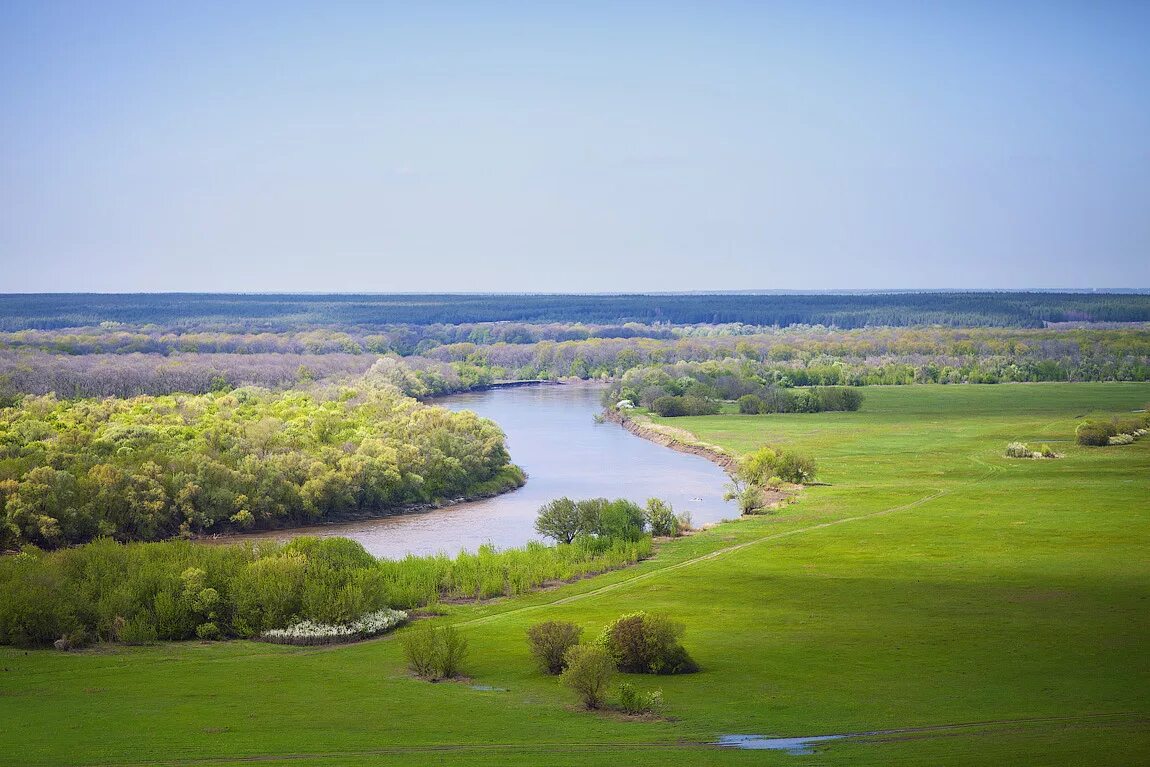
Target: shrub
<point>1094,433</point>
<point>138,630</point>
<point>1018,450</point>
<point>750,404</point>
<point>435,652</point>
<point>550,642</point>
<point>795,467</point>
<point>419,647</point>
<point>451,649</point>
<point>748,498</point>
<point>635,703</point>
<point>643,643</point>
<point>661,519</point>
<point>673,406</point>
<point>1046,452</point>
<point>1121,439</point>
<point>208,631</point>
<point>590,670</point>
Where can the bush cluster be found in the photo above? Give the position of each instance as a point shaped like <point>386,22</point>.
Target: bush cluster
<point>640,643</point>
<point>1022,450</point>
<point>646,643</point>
<point>816,399</point>
<point>141,592</point>
<point>1119,431</point>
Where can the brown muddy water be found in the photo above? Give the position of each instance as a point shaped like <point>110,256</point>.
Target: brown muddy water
<point>552,434</point>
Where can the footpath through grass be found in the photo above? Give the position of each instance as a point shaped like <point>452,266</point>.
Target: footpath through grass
<point>964,607</point>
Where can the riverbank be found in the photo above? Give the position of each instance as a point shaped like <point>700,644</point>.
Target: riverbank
<point>509,479</point>
<point>684,441</point>
<point>676,439</point>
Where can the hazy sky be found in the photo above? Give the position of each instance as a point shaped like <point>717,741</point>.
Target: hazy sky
<point>573,146</point>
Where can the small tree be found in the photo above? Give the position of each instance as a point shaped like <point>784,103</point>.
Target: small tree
<point>559,520</point>
<point>550,642</point>
<point>590,670</point>
<point>661,518</point>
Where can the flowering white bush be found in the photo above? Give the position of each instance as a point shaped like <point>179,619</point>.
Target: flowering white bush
<point>1018,450</point>
<point>1121,439</point>
<point>310,632</point>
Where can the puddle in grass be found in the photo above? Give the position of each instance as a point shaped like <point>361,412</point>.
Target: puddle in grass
<point>488,688</point>
<point>796,746</point>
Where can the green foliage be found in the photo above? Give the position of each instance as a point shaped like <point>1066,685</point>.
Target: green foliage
<point>647,643</point>
<point>636,703</point>
<point>661,519</point>
<point>590,671</point>
<point>550,642</point>
<point>559,520</point>
<point>674,406</point>
<point>435,652</point>
<point>565,520</point>
<point>1118,431</point>
<point>758,468</point>
<point>154,467</point>
<point>176,587</point>
<point>419,647</point>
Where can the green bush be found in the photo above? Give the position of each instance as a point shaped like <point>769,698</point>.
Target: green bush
<point>635,702</point>
<point>590,670</point>
<point>644,643</point>
<point>435,652</point>
<point>661,519</point>
<point>420,649</point>
<point>1095,433</point>
<point>751,404</point>
<point>550,642</point>
<point>672,406</point>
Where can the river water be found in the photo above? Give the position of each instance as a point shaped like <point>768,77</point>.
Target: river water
<point>552,434</point>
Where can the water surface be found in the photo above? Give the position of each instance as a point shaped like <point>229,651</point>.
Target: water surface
<point>552,434</point>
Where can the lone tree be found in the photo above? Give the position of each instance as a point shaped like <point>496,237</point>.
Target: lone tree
<point>559,520</point>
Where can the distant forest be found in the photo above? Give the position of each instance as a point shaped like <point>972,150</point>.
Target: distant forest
<point>268,312</point>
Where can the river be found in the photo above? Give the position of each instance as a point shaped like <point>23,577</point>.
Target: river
<point>552,434</point>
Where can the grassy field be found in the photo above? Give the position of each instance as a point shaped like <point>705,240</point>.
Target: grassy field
<point>963,607</point>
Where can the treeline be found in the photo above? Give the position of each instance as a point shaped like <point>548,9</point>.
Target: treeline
<point>275,312</point>
<point>129,375</point>
<point>237,338</point>
<point>142,592</point>
<point>697,388</point>
<point>149,468</point>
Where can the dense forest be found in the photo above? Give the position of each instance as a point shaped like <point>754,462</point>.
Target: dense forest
<point>126,361</point>
<point>148,468</point>
<point>269,312</point>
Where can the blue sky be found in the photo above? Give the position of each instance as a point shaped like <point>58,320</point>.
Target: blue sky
<point>573,147</point>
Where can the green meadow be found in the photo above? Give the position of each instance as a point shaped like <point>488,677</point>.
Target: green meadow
<point>944,603</point>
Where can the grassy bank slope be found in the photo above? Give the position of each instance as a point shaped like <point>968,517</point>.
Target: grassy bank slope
<point>984,609</point>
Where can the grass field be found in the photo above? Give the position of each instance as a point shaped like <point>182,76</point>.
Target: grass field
<point>964,607</point>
